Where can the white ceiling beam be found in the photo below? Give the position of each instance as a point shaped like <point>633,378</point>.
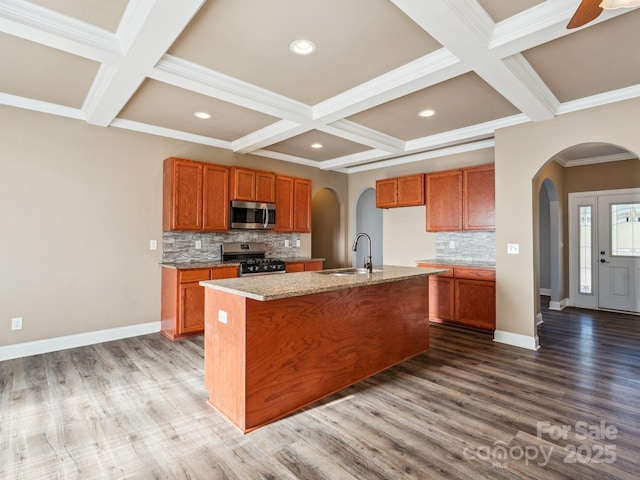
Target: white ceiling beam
<point>363,135</point>
<point>540,24</point>
<point>274,133</point>
<point>416,75</point>
<point>155,31</point>
<point>52,29</point>
<point>184,74</point>
<point>462,27</point>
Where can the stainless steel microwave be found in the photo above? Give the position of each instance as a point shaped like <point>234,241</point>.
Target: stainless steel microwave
<point>253,215</point>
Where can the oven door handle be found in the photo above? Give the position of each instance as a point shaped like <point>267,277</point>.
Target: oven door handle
<point>265,215</point>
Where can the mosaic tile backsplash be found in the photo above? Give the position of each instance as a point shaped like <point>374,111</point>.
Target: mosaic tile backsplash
<point>468,246</point>
<point>180,247</point>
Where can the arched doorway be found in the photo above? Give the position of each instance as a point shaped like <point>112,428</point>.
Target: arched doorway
<point>550,245</point>
<point>368,219</point>
<point>326,232</point>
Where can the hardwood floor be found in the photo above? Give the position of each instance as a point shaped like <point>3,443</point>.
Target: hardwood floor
<point>468,408</point>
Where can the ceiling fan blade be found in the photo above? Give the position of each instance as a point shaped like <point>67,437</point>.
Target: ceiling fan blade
<point>587,11</point>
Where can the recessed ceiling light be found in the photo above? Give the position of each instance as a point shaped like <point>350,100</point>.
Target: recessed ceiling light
<point>427,113</point>
<point>203,115</point>
<point>303,47</point>
<point>316,145</point>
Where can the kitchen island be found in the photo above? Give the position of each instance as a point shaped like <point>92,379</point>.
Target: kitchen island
<point>276,343</point>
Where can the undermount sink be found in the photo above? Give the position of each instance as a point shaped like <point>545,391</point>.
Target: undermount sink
<point>344,272</point>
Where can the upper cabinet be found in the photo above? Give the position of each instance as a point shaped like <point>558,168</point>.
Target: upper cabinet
<point>293,204</point>
<point>444,201</point>
<point>252,185</point>
<point>461,199</point>
<point>195,196</point>
<point>479,206</point>
<point>400,191</point>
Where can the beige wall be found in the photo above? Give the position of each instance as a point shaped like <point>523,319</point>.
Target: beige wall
<point>404,229</point>
<point>520,152</point>
<point>78,206</point>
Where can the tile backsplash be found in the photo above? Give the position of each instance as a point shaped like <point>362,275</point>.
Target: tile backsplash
<point>180,247</point>
<point>467,246</point>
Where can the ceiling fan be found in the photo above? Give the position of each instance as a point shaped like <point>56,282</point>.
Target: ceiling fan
<point>589,10</point>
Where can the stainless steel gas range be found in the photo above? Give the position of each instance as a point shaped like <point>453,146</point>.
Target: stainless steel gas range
<point>252,258</point>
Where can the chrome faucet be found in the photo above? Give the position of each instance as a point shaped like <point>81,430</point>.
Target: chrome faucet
<point>367,264</point>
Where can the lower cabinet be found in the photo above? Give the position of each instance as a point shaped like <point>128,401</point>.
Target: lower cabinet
<point>182,310</point>
<point>466,296</point>
<point>304,266</point>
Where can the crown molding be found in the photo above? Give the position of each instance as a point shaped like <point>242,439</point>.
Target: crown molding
<point>417,157</point>
<point>367,156</point>
<point>46,27</point>
<point>40,106</point>
<point>593,160</point>
<point>606,98</point>
<point>466,134</point>
<point>169,133</point>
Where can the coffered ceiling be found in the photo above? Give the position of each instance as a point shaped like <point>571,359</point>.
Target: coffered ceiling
<point>149,65</point>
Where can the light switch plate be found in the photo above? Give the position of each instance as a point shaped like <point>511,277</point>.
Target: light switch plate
<point>222,316</point>
<point>513,248</point>
<point>153,244</point>
<point>198,244</point>
<point>286,243</point>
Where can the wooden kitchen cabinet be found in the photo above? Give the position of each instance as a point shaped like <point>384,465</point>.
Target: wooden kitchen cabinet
<point>461,199</point>
<point>182,308</point>
<point>475,303</point>
<point>479,198</point>
<point>195,196</point>
<point>444,201</point>
<point>466,296</point>
<point>304,266</point>
<point>293,204</point>
<point>441,298</point>
<point>252,185</point>
<point>400,191</point>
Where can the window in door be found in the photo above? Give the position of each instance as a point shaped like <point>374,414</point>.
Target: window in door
<point>585,257</point>
<point>625,229</point>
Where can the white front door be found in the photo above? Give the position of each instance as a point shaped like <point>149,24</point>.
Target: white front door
<point>618,252</point>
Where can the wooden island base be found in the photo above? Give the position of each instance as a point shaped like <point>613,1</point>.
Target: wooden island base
<point>274,357</point>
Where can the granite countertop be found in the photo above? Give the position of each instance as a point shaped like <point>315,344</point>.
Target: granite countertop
<point>272,287</point>
<point>458,263</point>
<point>230,263</point>
<point>200,264</point>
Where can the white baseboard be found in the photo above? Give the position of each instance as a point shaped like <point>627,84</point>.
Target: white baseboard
<point>558,305</point>
<point>37,347</point>
<point>516,340</point>
<point>545,291</point>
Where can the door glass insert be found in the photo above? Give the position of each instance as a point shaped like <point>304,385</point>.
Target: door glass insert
<point>625,230</point>
<point>586,258</point>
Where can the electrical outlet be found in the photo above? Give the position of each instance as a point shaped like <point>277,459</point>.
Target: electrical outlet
<point>222,316</point>
<point>286,243</point>
<point>198,244</point>
<point>16,323</point>
<point>452,244</point>
<point>297,243</point>
<point>513,248</point>
<point>153,244</point>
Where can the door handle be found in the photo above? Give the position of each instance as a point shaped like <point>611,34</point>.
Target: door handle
<point>602,260</point>
<point>265,215</point>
